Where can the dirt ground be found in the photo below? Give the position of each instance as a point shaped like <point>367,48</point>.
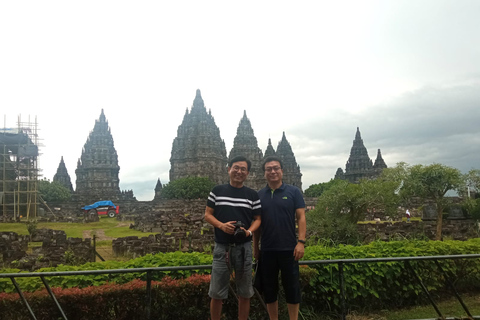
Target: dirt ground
<point>99,233</point>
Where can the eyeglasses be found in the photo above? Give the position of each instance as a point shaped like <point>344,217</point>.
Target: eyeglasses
<point>242,169</point>
<point>270,169</point>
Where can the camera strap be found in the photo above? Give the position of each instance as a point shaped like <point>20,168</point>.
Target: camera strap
<point>228,259</point>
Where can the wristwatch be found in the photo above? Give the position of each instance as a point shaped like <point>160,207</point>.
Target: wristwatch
<point>301,241</point>
<point>251,233</point>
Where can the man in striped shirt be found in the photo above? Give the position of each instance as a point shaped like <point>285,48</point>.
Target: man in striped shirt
<point>227,205</point>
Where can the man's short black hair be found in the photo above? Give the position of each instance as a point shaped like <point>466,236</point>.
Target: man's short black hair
<point>240,158</point>
<point>270,159</point>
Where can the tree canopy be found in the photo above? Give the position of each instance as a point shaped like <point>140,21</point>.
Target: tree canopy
<point>316,190</point>
<point>53,191</point>
<point>432,182</point>
<point>187,188</point>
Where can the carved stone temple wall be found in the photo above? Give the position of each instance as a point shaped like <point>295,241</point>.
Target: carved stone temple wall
<point>198,150</point>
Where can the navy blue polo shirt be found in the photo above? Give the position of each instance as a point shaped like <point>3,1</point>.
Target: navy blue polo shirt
<point>278,217</point>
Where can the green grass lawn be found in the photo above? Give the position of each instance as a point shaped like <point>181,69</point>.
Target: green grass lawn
<point>449,308</point>
<point>112,228</point>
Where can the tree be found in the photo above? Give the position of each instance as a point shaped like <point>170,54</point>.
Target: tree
<point>432,183</point>
<point>53,191</point>
<point>187,188</point>
<point>471,183</point>
<point>344,204</point>
<point>316,190</point>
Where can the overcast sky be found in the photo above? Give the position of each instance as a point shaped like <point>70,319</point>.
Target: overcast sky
<point>406,72</point>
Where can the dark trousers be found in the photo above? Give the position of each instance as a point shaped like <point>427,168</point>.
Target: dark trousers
<point>284,262</point>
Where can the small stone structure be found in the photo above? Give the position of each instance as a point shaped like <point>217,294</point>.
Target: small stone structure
<point>12,246</point>
<point>179,225</point>
<point>52,252</point>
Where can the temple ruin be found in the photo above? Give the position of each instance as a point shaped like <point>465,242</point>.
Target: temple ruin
<point>62,176</point>
<point>245,144</point>
<point>198,150</point>
<point>97,168</point>
<point>359,165</point>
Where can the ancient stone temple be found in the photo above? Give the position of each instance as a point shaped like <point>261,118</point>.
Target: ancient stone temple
<point>269,151</point>
<point>198,150</point>
<point>379,163</point>
<point>97,169</point>
<point>62,176</point>
<point>158,190</point>
<point>291,170</point>
<point>359,165</point>
<point>245,144</point>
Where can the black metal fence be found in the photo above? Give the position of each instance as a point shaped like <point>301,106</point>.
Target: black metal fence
<point>341,263</point>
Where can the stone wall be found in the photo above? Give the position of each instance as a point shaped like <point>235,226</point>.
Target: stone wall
<point>12,246</point>
<point>386,231</point>
<point>178,224</point>
<point>55,249</point>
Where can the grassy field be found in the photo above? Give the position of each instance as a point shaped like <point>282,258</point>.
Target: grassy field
<point>449,308</point>
<point>104,230</point>
<point>111,227</point>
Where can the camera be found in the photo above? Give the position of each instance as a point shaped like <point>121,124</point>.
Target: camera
<point>239,234</point>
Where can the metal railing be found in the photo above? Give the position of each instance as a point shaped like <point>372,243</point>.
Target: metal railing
<point>341,263</point>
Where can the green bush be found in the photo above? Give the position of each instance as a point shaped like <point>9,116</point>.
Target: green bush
<point>368,285</point>
<point>180,299</point>
<point>82,281</point>
<point>389,284</point>
<point>171,299</point>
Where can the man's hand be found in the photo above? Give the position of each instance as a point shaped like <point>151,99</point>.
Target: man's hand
<point>228,227</point>
<point>256,253</point>
<point>299,250</point>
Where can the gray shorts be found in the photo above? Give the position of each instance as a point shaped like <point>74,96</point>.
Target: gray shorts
<point>240,259</point>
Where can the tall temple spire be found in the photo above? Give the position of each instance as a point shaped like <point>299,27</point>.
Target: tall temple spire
<point>158,190</point>
<point>245,144</point>
<point>359,165</point>
<point>62,176</point>
<point>198,102</point>
<point>97,169</point>
<point>291,170</point>
<point>379,162</point>
<point>269,151</point>
<point>198,150</point>
<point>357,134</point>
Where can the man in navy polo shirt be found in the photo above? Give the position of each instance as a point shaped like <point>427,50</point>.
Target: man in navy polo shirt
<point>282,206</point>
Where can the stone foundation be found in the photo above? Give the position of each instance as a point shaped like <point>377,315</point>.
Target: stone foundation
<point>56,249</point>
<point>451,229</point>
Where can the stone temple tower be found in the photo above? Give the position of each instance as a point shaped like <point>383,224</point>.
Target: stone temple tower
<point>198,150</point>
<point>97,169</point>
<point>62,176</point>
<point>359,164</point>
<point>291,170</point>
<point>245,144</point>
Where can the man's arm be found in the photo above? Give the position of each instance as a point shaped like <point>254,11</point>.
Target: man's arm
<point>226,227</point>
<point>257,220</point>
<point>302,233</point>
<point>256,243</point>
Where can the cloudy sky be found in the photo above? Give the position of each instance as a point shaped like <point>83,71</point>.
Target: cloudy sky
<point>406,72</point>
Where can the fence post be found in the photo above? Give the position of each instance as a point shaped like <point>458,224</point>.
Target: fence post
<point>342,291</point>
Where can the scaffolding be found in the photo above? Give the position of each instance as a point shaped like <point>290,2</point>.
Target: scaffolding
<point>19,173</point>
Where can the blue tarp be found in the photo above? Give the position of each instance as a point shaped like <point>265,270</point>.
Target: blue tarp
<point>105,203</point>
